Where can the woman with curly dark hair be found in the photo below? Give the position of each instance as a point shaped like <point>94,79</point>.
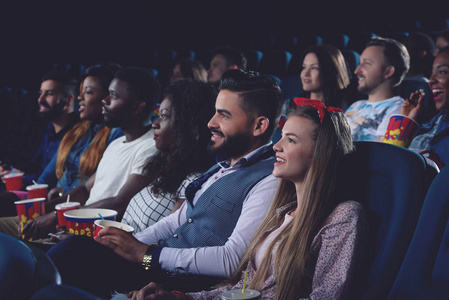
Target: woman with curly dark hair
<point>181,136</point>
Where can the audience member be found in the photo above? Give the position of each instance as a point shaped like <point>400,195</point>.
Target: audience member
<point>309,244</point>
<point>212,229</point>
<point>84,143</point>
<point>432,137</point>
<point>189,68</point>
<point>224,58</point>
<point>132,95</point>
<point>324,76</point>
<point>181,136</point>
<point>383,65</point>
<point>83,146</point>
<point>442,41</point>
<point>420,47</point>
<point>58,92</point>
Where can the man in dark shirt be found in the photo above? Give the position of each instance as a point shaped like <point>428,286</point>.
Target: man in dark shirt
<point>58,93</point>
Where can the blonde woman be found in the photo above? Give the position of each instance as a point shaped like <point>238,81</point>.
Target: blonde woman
<point>309,243</point>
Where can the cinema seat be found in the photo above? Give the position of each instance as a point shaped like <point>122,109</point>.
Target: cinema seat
<point>390,182</point>
<point>424,274</point>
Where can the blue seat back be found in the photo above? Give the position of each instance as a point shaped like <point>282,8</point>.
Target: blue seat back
<point>17,269</point>
<point>63,291</point>
<point>424,273</point>
<point>390,182</point>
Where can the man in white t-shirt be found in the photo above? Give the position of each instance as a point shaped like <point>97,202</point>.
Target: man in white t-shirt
<point>383,65</point>
<point>133,94</point>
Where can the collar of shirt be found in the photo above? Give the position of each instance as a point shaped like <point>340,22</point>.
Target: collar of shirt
<point>226,169</point>
<point>250,157</point>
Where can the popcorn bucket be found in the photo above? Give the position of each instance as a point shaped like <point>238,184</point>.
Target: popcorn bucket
<point>400,130</point>
<point>28,210</point>
<point>81,221</point>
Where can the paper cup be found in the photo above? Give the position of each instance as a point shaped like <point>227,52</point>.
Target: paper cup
<point>100,224</point>
<point>400,130</point>
<point>237,294</point>
<point>62,208</point>
<point>28,210</point>
<point>37,191</point>
<point>14,182</point>
<point>81,221</point>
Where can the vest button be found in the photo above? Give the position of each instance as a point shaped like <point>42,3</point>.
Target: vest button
<point>175,235</point>
<point>190,220</point>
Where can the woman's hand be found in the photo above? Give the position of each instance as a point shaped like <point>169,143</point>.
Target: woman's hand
<point>153,291</point>
<point>412,106</point>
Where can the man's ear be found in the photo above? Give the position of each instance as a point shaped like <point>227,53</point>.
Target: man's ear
<point>389,71</point>
<point>139,108</point>
<point>260,125</point>
<point>69,103</point>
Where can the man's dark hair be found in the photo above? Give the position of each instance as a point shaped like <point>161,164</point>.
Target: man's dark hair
<point>395,54</point>
<point>261,95</point>
<point>232,56</point>
<point>142,85</point>
<point>70,86</point>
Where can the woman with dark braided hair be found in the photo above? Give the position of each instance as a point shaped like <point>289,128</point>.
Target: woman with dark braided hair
<point>181,136</point>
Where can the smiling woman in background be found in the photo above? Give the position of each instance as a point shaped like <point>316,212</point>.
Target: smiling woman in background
<point>324,75</point>
<point>432,138</point>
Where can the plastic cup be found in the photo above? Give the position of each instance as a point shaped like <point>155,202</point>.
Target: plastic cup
<point>100,224</point>
<point>14,182</point>
<point>28,210</point>
<point>62,208</point>
<point>237,294</point>
<point>37,191</point>
<point>400,130</point>
<point>81,221</point>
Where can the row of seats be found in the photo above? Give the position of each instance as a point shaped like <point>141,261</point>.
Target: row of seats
<point>407,204</point>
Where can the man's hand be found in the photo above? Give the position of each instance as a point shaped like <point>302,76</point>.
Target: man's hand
<point>412,106</point>
<point>41,226</point>
<point>122,243</point>
<point>54,193</point>
<point>5,169</point>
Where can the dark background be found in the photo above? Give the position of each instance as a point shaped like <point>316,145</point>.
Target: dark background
<point>39,35</point>
<point>36,34</point>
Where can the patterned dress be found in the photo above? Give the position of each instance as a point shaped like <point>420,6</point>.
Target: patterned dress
<point>335,250</point>
<point>145,209</point>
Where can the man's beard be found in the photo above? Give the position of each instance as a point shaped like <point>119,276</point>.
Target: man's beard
<point>232,146</point>
<point>53,112</point>
<point>110,121</point>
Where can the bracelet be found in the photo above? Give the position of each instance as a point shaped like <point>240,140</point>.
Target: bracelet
<point>148,257</point>
<point>180,293</point>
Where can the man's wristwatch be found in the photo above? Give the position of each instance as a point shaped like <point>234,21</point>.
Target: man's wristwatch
<point>148,257</point>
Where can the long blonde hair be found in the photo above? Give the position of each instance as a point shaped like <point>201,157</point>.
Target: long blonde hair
<point>293,270</point>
